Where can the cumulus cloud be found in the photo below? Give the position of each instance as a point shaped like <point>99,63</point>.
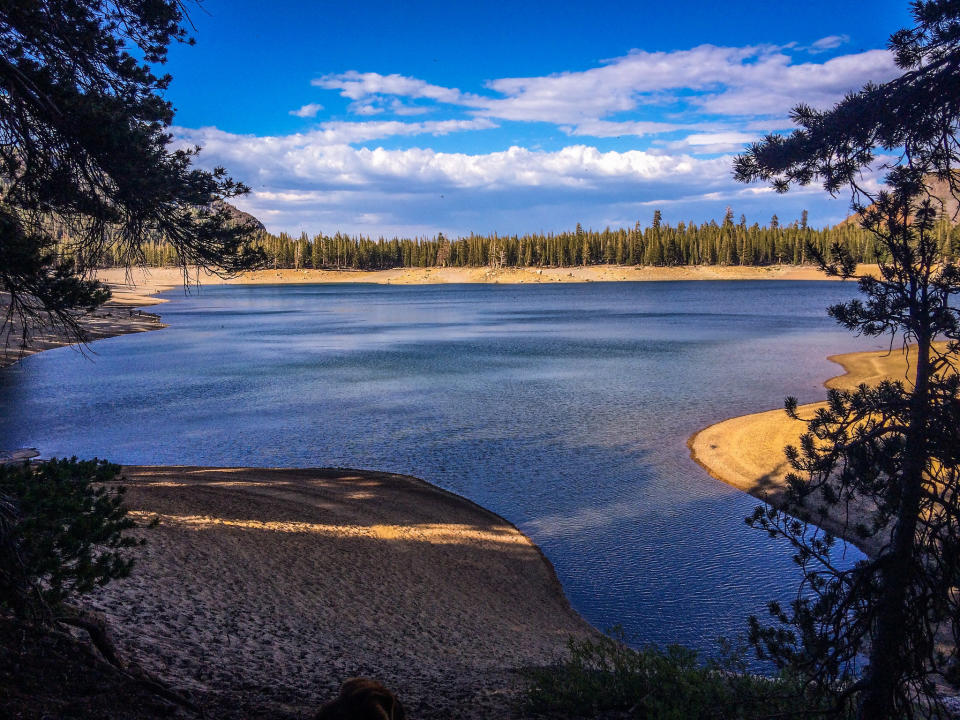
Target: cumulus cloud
<point>307,111</point>
<point>323,158</point>
<point>302,181</point>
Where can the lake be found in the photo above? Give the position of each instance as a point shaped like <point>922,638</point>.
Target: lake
<point>564,408</point>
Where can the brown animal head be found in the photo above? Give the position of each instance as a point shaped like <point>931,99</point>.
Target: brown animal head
<point>363,699</point>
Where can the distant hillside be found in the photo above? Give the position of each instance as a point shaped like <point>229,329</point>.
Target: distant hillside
<point>938,189</point>
<point>951,206</point>
<point>238,216</point>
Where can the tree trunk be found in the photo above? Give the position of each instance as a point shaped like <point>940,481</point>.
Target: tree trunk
<point>887,651</point>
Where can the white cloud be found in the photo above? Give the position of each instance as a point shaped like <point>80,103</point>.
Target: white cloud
<point>767,124</point>
<point>397,107</point>
<point>357,86</point>
<point>709,143</point>
<point>377,105</point>
<point>829,43</point>
<point>333,133</point>
<point>365,108</point>
<point>338,132</point>
<point>776,86</point>
<point>731,81</point>
<point>302,181</point>
<point>636,128</point>
<point>316,159</point>
<point>307,111</point>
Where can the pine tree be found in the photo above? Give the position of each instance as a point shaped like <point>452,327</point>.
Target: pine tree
<point>895,446</point>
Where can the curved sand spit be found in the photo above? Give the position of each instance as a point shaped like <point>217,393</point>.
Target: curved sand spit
<point>276,585</point>
<point>747,452</point>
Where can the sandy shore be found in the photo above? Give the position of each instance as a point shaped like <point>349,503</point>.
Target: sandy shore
<point>155,279</point>
<point>108,321</point>
<point>274,586</point>
<point>120,316</point>
<point>747,452</point>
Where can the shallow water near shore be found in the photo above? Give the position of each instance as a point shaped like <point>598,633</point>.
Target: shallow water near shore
<point>565,409</point>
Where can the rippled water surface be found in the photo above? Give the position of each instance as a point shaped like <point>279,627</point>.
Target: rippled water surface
<point>565,408</point>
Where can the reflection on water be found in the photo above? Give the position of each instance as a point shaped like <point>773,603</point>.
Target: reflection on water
<point>564,408</point>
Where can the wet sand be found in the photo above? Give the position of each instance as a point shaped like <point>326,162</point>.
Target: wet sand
<point>275,585</point>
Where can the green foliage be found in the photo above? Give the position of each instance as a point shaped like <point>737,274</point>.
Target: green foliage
<point>62,533</point>
<point>606,678</point>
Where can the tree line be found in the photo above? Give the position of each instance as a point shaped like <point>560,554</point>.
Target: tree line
<point>727,242</point>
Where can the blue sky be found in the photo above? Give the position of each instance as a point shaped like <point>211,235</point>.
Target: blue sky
<point>390,118</point>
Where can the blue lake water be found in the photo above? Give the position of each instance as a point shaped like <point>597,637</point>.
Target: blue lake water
<point>564,408</point>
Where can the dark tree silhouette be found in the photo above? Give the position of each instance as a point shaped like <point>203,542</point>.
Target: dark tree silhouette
<point>62,534</point>
<point>85,154</point>
<point>878,637</point>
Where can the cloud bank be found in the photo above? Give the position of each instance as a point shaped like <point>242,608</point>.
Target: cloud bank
<point>671,122</point>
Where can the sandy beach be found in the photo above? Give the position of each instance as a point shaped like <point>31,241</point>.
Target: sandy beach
<point>115,318</point>
<point>121,315</point>
<point>274,586</point>
<point>747,452</point>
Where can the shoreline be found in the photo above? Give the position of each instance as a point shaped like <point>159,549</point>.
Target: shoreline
<point>278,584</point>
<point>746,452</point>
<point>137,288</point>
<point>120,315</point>
<point>171,277</point>
<point>274,585</point>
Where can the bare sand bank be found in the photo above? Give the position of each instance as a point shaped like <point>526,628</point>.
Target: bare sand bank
<point>120,316</point>
<point>747,452</point>
<point>108,321</point>
<point>276,585</point>
<point>155,279</point>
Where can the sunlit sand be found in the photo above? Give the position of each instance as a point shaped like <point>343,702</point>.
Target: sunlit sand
<point>747,452</point>
<point>283,583</point>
